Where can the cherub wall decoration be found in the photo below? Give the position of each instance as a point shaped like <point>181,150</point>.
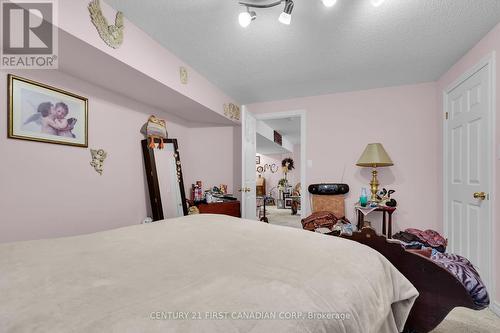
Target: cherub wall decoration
<point>98,157</point>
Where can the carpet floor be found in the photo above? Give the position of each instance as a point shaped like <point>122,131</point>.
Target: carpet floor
<point>462,320</point>
<point>283,217</point>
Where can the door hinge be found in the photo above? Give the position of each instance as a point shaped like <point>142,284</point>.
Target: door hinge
<point>446,115</point>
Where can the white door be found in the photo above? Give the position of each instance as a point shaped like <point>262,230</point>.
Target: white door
<point>249,151</point>
<point>468,163</point>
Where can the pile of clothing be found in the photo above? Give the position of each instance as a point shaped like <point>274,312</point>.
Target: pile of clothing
<point>432,245</point>
<point>415,239</point>
<point>319,220</point>
<point>326,222</point>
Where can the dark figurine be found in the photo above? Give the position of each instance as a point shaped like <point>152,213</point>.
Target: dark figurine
<point>384,197</point>
<point>391,203</point>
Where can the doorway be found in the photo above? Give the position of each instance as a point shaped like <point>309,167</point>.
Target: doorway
<point>271,143</point>
<point>468,167</point>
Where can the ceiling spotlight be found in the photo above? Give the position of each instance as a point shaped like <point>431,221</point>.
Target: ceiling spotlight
<point>377,3</point>
<point>246,18</point>
<point>329,3</point>
<point>286,16</point>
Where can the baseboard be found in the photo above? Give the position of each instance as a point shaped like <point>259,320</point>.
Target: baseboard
<point>495,307</point>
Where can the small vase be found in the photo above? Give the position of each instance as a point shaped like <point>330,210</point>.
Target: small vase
<point>363,199</point>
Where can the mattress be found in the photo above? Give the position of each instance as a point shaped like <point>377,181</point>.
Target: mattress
<point>202,273</point>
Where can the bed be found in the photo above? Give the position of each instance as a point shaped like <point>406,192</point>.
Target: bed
<point>440,290</point>
<point>204,273</point>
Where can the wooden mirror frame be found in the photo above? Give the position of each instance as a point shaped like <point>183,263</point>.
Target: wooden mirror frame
<point>152,178</point>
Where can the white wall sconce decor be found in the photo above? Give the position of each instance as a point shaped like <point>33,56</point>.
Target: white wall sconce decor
<point>98,157</point>
<point>232,111</point>
<point>112,35</point>
<point>183,74</point>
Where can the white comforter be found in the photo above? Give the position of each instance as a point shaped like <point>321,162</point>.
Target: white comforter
<point>221,273</point>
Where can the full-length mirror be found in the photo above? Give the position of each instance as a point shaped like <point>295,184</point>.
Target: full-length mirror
<point>165,182</point>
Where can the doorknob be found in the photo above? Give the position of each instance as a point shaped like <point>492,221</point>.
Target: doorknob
<point>480,195</point>
<point>246,189</point>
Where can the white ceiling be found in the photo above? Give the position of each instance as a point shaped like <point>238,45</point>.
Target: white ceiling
<point>267,147</point>
<point>348,47</point>
<point>289,128</point>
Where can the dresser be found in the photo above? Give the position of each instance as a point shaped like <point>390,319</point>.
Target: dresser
<point>231,208</point>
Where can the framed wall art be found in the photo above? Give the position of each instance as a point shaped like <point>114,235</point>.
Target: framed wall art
<point>39,112</point>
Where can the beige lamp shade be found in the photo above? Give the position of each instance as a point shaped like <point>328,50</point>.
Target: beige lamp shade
<point>374,156</point>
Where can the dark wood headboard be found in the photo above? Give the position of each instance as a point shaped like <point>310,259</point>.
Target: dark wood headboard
<point>439,290</point>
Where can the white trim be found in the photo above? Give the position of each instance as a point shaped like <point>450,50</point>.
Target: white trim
<point>304,200</point>
<point>488,60</point>
<point>495,308</point>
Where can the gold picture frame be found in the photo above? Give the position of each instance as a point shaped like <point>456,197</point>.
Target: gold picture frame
<point>42,113</point>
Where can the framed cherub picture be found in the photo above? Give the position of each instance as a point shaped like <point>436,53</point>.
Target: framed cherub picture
<point>39,112</point>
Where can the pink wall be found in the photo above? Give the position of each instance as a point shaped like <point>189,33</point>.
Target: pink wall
<point>272,179</point>
<point>340,125</point>
<point>87,202</point>
<point>294,176</point>
<point>141,52</point>
<point>51,190</point>
<point>488,44</point>
<point>210,156</point>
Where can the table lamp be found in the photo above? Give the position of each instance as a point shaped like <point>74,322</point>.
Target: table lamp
<point>374,157</point>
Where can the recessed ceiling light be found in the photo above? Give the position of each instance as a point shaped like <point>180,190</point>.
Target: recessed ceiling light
<point>377,3</point>
<point>329,3</point>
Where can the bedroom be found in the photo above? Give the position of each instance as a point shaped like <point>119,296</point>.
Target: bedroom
<point>359,72</point>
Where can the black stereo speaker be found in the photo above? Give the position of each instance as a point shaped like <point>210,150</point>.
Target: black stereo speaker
<point>328,189</point>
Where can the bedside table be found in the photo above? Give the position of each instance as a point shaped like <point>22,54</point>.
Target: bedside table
<point>386,218</point>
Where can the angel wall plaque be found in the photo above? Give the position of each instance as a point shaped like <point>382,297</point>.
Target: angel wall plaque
<point>110,34</point>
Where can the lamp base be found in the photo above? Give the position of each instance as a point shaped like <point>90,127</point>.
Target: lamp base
<point>374,186</point>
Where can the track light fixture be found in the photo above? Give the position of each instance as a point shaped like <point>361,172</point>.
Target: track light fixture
<point>245,18</point>
<point>329,3</point>
<point>286,16</point>
<point>377,3</point>
<point>248,16</point>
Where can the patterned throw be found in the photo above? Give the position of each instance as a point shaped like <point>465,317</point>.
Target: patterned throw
<point>465,272</point>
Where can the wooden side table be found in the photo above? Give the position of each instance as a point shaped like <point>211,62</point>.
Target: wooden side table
<point>386,222</point>
<point>231,208</point>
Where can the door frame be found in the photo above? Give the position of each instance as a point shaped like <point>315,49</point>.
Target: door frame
<point>489,61</point>
<point>304,198</point>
